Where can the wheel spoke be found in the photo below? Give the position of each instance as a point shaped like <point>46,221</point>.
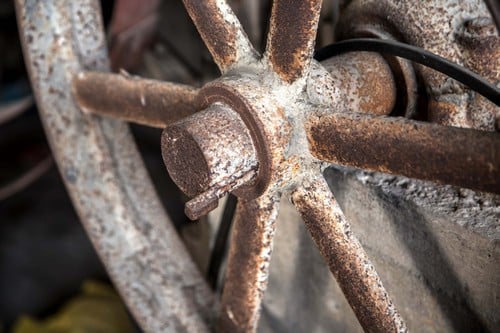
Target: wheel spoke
<point>247,271</point>
<point>346,258</point>
<point>448,155</point>
<point>222,32</point>
<point>292,34</point>
<point>146,102</point>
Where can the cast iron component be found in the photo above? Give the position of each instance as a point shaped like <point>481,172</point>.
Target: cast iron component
<point>267,127</point>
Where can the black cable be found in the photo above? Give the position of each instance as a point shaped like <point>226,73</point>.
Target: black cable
<point>416,54</point>
<point>220,245</point>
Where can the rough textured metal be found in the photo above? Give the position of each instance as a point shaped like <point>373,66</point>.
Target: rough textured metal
<point>211,149</point>
<point>104,174</point>
<point>107,181</point>
<point>221,32</point>
<point>402,69</point>
<point>210,152</point>
<point>248,264</point>
<point>439,27</point>
<point>292,34</point>
<point>346,258</point>
<point>365,80</point>
<point>462,157</point>
<point>253,99</point>
<point>147,102</point>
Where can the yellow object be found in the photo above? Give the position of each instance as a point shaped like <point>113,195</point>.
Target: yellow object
<point>98,309</point>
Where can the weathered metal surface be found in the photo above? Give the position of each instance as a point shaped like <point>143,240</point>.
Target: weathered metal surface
<point>435,247</point>
<point>248,264</point>
<point>292,34</point>
<point>207,201</point>
<point>147,102</point>
<point>346,258</point>
<point>437,26</point>
<point>402,69</point>
<point>104,174</point>
<point>252,119</point>
<point>210,152</point>
<point>481,48</point>
<point>457,156</point>
<point>252,98</point>
<point>222,32</point>
<point>365,81</point>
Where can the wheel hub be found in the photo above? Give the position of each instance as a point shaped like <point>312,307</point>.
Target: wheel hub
<point>242,141</point>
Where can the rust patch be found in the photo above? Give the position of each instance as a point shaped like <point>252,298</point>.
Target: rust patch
<point>459,32</point>
<point>481,47</point>
<point>218,34</point>
<point>147,102</point>
<point>448,155</point>
<point>248,264</point>
<point>365,80</point>
<point>221,93</point>
<point>445,113</point>
<point>184,160</point>
<point>211,149</point>
<point>292,36</point>
<point>104,173</point>
<point>346,258</point>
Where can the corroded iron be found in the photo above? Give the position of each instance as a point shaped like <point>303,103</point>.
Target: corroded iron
<point>262,116</point>
<point>267,127</point>
<point>460,31</point>
<point>208,149</point>
<point>346,258</point>
<point>365,80</point>
<point>222,32</point>
<point>211,152</point>
<point>292,34</point>
<point>248,264</point>
<point>129,98</point>
<point>448,155</point>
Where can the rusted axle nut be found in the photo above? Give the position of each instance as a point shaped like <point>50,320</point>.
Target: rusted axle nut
<point>208,155</point>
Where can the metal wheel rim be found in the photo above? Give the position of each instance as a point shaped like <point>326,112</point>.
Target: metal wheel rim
<point>104,173</point>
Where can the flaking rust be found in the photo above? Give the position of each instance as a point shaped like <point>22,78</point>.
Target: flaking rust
<point>458,156</point>
<point>346,258</point>
<point>291,37</point>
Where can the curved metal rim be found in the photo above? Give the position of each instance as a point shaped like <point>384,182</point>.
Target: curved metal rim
<point>104,173</point>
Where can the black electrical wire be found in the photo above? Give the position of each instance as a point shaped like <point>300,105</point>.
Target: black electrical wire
<point>416,54</point>
<point>220,245</point>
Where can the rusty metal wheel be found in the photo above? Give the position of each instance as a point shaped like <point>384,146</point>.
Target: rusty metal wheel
<point>269,126</point>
